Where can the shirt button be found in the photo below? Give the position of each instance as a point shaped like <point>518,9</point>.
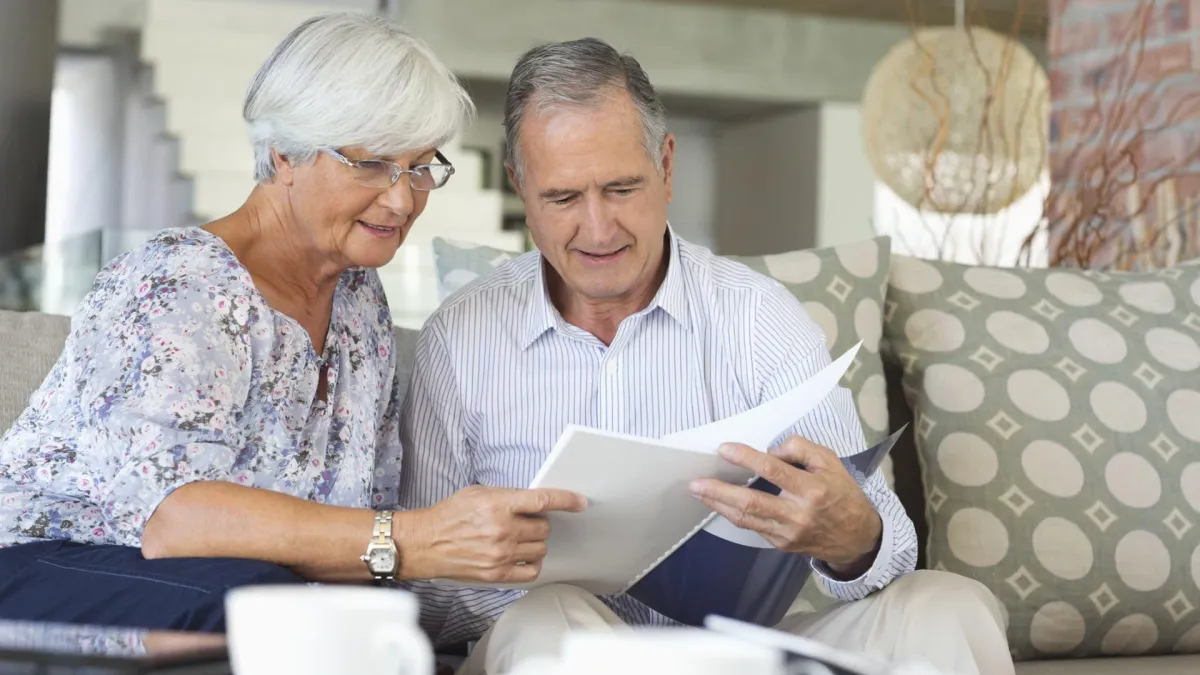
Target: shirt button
<point>612,368</point>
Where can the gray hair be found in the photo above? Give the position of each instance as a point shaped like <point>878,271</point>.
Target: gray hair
<point>579,73</point>
<point>343,80</point>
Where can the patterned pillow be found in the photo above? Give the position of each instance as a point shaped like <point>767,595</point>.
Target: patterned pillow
<point>1058,425</point>
<point>842,288</point>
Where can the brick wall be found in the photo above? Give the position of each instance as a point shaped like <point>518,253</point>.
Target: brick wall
<point>1125,125</point>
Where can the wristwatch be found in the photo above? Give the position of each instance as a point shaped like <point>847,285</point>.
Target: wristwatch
<point>382,556</point>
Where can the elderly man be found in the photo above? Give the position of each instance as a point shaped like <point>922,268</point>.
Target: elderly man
<point>617,323</point>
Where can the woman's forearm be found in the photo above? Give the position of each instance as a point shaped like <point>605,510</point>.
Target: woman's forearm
<point>225,520</point>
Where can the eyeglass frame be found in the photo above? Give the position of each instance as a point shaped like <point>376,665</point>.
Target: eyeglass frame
<point>397,170</point>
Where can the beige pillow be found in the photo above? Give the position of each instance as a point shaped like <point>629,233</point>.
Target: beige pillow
<point>1058,426</point>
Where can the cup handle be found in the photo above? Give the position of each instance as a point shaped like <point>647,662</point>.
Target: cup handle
<point>410,641</point>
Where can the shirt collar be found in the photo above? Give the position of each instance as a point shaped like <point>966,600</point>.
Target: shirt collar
<point>541,315</point>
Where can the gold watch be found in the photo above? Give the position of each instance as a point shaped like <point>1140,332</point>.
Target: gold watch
<point>382,556</point>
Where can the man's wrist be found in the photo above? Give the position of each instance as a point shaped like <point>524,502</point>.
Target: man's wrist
<point>858,566</point>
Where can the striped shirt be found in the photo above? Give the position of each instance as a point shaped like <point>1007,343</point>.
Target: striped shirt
<point>499,374</point>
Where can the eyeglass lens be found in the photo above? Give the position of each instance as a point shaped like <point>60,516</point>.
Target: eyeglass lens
<point>375,173</point>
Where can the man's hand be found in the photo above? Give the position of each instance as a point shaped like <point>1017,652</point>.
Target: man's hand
<point>820,511</point>
<point>481,534</point>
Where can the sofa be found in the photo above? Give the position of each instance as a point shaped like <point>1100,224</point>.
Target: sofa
<point>1070,609</point>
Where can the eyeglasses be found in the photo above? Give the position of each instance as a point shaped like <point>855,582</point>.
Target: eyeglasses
<point>382,174</point>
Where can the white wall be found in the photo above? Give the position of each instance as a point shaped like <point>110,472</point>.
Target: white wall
<point>846,181</point>
<point>693,209</point>
<point>767,183</point>
<point>993,240</point>
<point>82,23</point>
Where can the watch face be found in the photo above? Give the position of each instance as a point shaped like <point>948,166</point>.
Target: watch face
<point>382,559</point>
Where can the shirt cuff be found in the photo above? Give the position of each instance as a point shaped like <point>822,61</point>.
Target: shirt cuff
<point>874,578</point>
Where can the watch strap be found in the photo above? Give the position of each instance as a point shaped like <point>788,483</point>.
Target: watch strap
<point>382,532</point>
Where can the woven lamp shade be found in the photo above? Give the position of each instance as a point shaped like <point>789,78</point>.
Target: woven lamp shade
<point>956,120</point>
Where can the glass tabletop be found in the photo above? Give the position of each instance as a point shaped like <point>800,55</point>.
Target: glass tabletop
<point>32,647</point>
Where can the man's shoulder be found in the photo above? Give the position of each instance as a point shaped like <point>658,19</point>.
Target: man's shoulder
<point>733,294</point>
<point>497,295</point>
<point>725,279</point>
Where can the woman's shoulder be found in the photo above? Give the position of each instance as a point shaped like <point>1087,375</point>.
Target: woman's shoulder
<point>182,284</point>
<point>182,250</point>
<point>184,260</point>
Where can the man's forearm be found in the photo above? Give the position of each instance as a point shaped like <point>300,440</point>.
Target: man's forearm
<point>225,520</point>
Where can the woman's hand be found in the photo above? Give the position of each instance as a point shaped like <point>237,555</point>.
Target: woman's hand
<point>481,533</point>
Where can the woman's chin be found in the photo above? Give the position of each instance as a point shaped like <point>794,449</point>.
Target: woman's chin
<point>368,250</point>
<point>373,254</point>
<point>375,259</point>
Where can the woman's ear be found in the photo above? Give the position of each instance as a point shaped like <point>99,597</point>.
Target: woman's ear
<point>285,173</point>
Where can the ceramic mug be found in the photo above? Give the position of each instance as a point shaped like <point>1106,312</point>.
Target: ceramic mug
<point>317,630</point>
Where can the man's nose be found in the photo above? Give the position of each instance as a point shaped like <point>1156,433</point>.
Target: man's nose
<point>598,218</point>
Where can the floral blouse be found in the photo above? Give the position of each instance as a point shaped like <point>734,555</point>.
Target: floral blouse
<point>176,370</point>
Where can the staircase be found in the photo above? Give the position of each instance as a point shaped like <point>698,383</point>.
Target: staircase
<point>158,193</point>
<point>188,157</point>
<point>205,53</point>
<point>113,176</point>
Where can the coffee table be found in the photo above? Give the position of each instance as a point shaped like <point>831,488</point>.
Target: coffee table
<point>31,648</point>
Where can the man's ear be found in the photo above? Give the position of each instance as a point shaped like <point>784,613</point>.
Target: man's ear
<point>285,173</point>
<point>512,179</point>
<point>668,162</point>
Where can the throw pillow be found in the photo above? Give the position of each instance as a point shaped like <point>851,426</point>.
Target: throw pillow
<point>841,287</point>
<point>1058,425</point>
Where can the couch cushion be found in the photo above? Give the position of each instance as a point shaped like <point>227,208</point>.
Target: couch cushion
<point>842,288</point>
<point>32,343</point>
<point>1145,665</point>
<point>406,347</point>
<point>1058,428</point>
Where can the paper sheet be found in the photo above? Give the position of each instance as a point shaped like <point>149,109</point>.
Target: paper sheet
<point>760,426</point>
<point>800,649</point>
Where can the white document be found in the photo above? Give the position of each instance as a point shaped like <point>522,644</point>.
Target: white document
<point>799,648</point>
<point>639,507</point>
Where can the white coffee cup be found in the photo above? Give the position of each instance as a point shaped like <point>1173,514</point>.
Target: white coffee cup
<point>318,630</point>
<point>665,651</point>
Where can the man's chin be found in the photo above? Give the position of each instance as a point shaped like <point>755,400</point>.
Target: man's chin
<point>601,292</point>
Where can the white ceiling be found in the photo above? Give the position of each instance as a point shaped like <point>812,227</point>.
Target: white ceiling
<point>1000,15</point>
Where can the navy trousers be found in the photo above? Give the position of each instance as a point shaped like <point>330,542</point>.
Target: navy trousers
<point>66,582</point>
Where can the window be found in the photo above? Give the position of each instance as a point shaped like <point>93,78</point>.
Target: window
<point>993,240</point>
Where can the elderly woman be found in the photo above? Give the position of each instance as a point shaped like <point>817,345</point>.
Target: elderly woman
<point>225,410</point>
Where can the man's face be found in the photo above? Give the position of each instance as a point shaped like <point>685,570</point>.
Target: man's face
<point>595,202</point>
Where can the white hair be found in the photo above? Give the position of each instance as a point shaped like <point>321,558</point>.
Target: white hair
<point>351,80</point>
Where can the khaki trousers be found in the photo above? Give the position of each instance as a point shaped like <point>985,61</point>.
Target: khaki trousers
<point>949,622</point>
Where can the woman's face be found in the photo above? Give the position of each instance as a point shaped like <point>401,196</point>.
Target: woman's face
<point>354,224</point>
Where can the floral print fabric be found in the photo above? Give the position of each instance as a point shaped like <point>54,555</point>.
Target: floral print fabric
<point>177,370</point>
